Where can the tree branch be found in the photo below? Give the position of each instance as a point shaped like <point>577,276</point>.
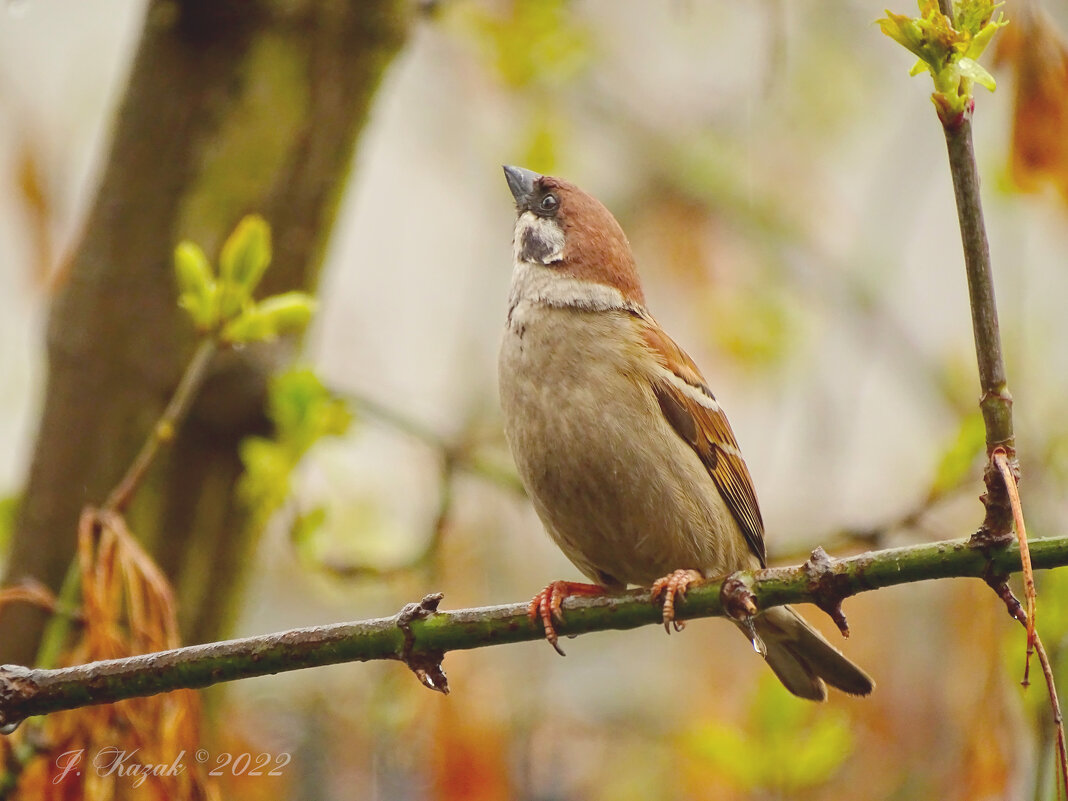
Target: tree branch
<point>420,635</point>
<point>996,403</point>
<point>995,399</point>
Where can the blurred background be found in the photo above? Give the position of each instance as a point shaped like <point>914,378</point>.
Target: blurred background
<point>783,182</point>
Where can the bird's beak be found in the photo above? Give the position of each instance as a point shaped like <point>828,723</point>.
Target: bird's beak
<point>521,182</point>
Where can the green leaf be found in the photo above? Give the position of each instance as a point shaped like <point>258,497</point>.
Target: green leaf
<point>243,260</point>
<point>248,326</point>
<point>905,31</point>
<point>756,327</point>
<point>305,529</point>
<point>289,311</point>
<point>960,455</point>
<point>264,321</point>
<point>975,71</point>
<point>948,52</point>
<point>974,16</point>
<point>192,268</point>
<point>196,284</point>
<point>303,412</point>
<point>784,745</point>
<point>729,753</point>
<point>813,759</point>
<point>264,485</point>
<point>543,140</point>
<point>247,252</point>
<point>532,43</point>
<point>983,37</point>
<point>774,710</point>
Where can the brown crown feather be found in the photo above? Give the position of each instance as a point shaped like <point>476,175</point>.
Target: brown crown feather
<point>596,249</point>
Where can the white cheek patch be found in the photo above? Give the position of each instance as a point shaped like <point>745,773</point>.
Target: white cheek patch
<point>539,240</point>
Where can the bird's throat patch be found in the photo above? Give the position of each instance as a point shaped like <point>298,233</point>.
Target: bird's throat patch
<point>538,240</point>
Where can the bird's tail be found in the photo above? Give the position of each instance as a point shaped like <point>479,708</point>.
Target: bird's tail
<point>803,659</point>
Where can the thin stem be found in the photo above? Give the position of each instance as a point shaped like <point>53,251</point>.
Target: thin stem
<point>995,399</point>
<point>163,432</point>
<point>25,692</point>
<point>398,421</point>
<point>996,403</point>
<point>1002,499</point>
<point>54,636</point>
<point>462,455</point>
<point>1058,719</point>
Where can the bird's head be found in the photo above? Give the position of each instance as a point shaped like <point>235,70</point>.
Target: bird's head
<point>571,233</point>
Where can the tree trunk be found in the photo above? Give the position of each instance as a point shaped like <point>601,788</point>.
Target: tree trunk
<point>232,106</point>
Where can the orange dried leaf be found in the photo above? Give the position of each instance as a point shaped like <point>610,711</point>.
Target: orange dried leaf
<point>128,609</point>
<point>1038,52</point>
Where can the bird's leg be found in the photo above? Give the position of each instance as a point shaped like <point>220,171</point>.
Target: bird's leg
<point>545,606</point>
<point>670,587</point>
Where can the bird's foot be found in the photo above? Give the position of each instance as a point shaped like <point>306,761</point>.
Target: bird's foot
<point>674,585</point>
<point>545,606</point>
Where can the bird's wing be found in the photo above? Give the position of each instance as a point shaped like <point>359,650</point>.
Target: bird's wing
<point>693,412</point>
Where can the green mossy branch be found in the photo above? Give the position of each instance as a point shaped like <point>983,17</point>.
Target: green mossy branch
<point>420,636</point>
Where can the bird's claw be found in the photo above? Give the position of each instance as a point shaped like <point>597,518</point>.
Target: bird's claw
<point>546,607</point>
<point>669,588</point>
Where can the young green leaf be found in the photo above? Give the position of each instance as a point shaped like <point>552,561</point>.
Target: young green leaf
<point>264,321</point>
<point>289,311</point>
<point>303,412</point>
<point>196,285</point>
<point>192,268</point>
<point>976,72</point>
<point>948,52</point>
<point>243,260</point>
<point>248,326</point>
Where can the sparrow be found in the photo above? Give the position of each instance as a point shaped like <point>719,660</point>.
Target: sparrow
<point>626,454</point>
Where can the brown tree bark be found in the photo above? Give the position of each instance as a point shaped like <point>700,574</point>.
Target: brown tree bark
<point>232,106</point>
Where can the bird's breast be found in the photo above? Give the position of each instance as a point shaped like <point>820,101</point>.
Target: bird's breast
<point>625,498</point>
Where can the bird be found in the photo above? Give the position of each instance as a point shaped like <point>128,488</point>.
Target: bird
<point>625,453</point>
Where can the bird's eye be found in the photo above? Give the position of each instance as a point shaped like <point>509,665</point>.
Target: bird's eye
<point>549,203</point>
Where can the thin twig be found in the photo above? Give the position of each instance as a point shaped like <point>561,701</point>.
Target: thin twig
<point>54,636</point>
<point>1034,642</point>
<point>463,454</point>
<point>1016,611</point>
<point>455,456</point>
<point>25,692</point>
<point>55,632</point>
<point>164,429</point>
<point>910,523</point>
<point>397,420</point>
<point>996,403</point>
<point>1001,476</point>
<point>1058,719</point>
<point>995,399</point>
